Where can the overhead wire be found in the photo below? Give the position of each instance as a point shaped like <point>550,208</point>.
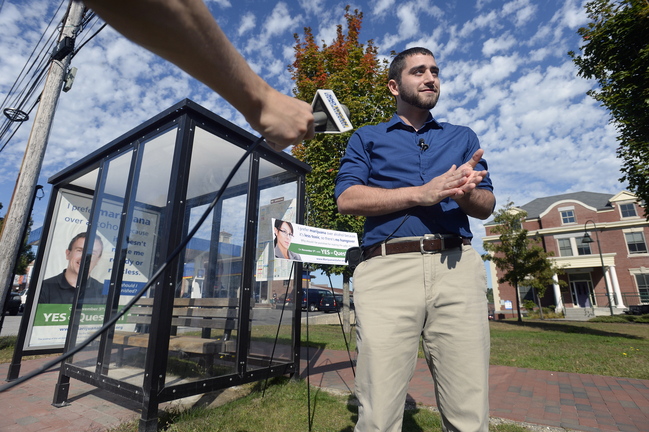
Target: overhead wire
<point>34,69</point>
<point>18,79</point>
<point>38,65</point>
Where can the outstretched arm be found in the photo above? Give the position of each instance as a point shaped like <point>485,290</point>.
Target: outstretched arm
<point>185,33</point>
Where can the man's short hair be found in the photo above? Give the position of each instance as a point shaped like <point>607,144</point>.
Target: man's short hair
<point>75,238</point>
<point>83,236</point>
<point>398,63</point>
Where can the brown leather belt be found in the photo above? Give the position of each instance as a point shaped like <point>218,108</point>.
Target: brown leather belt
<point>425,245</point>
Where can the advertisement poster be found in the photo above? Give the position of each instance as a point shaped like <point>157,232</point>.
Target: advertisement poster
<point>267,267</point>
<point>62,259</point>
<point>303,243</point>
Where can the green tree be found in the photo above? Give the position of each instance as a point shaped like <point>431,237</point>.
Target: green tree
<point>520,258</point>
<point>616,54</point>
<point>26,255</point>
<point>358,78</point>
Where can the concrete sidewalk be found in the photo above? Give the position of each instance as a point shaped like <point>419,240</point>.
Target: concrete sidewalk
<point>562,400</point>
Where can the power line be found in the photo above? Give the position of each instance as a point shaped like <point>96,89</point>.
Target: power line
<point>38,67</point>
<point>88,40</point>
<point>35,65</point>
<point>48,43</point>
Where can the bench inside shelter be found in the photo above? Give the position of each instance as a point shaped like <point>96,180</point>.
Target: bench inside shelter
<point>213,318</point>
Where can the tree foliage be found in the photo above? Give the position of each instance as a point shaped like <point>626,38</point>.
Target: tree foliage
<point>520,258</point>
<point>358,78</point>
<point>616,54</point>
<point>26,255</point>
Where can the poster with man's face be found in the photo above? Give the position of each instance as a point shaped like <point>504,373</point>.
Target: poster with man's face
<point>62,261</point>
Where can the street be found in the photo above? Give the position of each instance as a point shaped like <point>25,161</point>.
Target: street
<point>11,324</point>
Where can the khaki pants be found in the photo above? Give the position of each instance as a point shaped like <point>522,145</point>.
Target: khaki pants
<point>441,297</point>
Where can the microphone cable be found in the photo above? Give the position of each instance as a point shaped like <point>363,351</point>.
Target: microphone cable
<point>48,365</point>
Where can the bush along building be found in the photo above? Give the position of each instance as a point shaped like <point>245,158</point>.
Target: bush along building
<point>600,242</point>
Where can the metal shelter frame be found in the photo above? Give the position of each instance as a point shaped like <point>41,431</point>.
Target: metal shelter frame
<point>144,190</point>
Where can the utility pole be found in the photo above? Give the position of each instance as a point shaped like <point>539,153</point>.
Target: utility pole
<point>19,209</point>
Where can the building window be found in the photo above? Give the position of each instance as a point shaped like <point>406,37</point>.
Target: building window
<point>628,210</point>
<point>635,242</point>
<point>568,217</point>
<point>526,293</point>
<point>582,248</point>
<point>643,287</point>
<point>565,248</point>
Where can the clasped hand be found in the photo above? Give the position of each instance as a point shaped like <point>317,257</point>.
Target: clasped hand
<point>456,183</point>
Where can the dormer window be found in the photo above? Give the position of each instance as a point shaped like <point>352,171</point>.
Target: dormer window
<point>567,215</point>
<point>628,210</point>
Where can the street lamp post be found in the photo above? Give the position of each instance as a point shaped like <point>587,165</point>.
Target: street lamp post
<point>588,239</point>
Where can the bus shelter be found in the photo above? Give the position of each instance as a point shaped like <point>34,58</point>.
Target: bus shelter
<point>220,313</point>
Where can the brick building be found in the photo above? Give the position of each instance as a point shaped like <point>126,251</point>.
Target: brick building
<point>560,223</point>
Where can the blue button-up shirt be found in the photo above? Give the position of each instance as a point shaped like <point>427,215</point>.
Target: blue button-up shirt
<point>389,156</point>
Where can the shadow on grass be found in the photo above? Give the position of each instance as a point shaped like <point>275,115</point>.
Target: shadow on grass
<point>569,328</point>
<point>410,424</point>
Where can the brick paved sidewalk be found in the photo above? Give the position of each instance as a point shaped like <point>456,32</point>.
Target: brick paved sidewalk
<point>557,399</point>
<point>571,401</point>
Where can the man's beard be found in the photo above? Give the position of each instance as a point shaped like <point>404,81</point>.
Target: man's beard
<point>416,99</point>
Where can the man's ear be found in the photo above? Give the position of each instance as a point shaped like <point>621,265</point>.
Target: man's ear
<point>393,87</point>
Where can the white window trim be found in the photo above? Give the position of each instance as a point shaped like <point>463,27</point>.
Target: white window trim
<point>635,272</point>
<point>626,243</point>
<point>569,208</point>
<point>573,244</point>
<point>619,206</point>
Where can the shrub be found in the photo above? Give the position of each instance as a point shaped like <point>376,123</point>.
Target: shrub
<point>644,319</point>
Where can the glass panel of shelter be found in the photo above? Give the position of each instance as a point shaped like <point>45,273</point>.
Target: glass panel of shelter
<point>108,207</point>
<point>273,286</point>
<point>130,207</point>
<point>206,306</point>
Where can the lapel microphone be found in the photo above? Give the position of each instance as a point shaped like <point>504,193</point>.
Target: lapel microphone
<point>422,144</point>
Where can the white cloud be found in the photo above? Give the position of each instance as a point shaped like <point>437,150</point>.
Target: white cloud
<point>248,22</point>
<point>409,16</point>
<point>521,11</point>
<point>280,21</point>
<point>326,33</point>
<point>481,22</point>
<point>408,20</point>
<point>573,14</point>
<point>497,69</point>
<point>382,6</point>
<point>222,3</point>
<point>503,43</point>
<point>312,7</point>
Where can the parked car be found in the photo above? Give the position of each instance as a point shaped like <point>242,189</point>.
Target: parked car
<point>329,303</point>
<point>339,299</point>
<point>13,303</point>
<point>285,301</point>
<point>311,298</point>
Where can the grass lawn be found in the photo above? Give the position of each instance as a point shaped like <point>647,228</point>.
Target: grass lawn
<point>612,349</point>
<point>283,409</point>
<point>599,348</point>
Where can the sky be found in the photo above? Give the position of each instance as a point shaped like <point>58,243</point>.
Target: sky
<point>505,73</point>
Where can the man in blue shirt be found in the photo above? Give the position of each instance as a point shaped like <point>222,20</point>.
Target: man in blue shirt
<point>417,181</point>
